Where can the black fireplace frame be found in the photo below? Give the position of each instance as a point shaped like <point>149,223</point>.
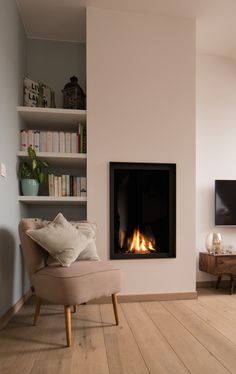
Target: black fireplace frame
<point>171,168</point>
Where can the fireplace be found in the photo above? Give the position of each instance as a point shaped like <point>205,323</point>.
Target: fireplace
<point>142,210</point>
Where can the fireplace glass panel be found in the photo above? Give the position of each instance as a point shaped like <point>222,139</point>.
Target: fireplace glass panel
<point>142,210</point>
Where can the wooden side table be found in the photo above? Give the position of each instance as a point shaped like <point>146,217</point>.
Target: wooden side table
<point>219,265</point>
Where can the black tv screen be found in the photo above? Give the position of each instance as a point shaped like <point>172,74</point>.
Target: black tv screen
<point>225,202</point>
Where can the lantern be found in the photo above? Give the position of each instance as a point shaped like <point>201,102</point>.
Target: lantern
<point>73,95</point>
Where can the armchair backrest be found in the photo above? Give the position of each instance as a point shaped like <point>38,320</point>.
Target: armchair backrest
<point>34,255</point>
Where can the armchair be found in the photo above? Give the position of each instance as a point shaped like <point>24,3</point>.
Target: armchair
<point>69,286</point>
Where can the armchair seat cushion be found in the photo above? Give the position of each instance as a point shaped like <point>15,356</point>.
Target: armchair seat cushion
<point>79,283</point>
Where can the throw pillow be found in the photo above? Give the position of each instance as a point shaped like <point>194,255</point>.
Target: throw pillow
<point>89,230</point>
<point>61,239</point>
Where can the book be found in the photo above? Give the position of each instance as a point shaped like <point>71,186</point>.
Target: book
<point>55,182</point>
<point>83,186</point>
<point>78,186</point>
<point>49,141</point>
<point>55,141</point>
<point>63,185</point>
<point>23,140</point>
<point>74,142</point>
<point>61,142</point>
<point>71,185</point>
<point>42,141</point>
<point>36,140</point>
<point>51,185</point>
<point>67,185</point>
<point>67,142</point>
<point>84,140</point>
<point>80,138</point>
<point>31,138</point>
<point>74,186</point>
<point>59,179</point>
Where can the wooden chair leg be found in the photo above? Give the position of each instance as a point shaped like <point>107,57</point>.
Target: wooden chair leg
<point>37,310</point>
<point>75,308</point>
<point>114,302</point>
<point>68,325</point>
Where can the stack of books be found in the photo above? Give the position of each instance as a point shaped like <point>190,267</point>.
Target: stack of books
<point>67,185</point>
<point>54,141</point>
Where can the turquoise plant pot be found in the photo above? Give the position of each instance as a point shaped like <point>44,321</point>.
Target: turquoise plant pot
<point>30,187</point>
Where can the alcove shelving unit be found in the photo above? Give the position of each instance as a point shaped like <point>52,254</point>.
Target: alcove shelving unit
<point>54,119</point>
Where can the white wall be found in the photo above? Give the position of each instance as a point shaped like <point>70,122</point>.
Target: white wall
<point>141,107</point>
<point>53,63</point>
<point>216,134</point>
<point>12,66</point>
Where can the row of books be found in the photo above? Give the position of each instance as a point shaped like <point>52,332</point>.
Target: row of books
<point>67,185</point>
<point>54,141</point>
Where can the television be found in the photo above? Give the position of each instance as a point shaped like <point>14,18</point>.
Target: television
<point>225,202</point>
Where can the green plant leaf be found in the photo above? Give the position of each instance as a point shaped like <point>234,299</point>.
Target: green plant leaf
<point>31,153</point>
<point>41,177</point>
<point>34,164</point>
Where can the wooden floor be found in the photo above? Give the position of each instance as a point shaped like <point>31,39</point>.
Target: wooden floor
<point>192,336</point>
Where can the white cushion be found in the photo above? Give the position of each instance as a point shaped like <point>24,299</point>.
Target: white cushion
<point>62,240</point>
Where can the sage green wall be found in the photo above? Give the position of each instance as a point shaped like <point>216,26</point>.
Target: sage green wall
<point>13,282</point>
<point>54,62</point>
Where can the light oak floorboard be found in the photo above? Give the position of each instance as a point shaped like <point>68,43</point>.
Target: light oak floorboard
<point>220,347</point>
<point>123,353</point>
<point>213,318</point>
<point>221,307</point>
<point>154,337</point>
<point>197,358</point>
<point>157,353</point>
<point>88,345</point>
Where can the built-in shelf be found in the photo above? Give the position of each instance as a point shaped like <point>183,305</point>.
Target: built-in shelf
<point>59,159</point>
<point>45,200</point>
<point>51,117</point>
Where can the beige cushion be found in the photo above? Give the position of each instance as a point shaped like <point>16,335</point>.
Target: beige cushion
<point>90,251</point>
<point>89,230</point>
<point>61,239</point>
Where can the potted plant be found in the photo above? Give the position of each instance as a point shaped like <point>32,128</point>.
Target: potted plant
<point>32,173</point>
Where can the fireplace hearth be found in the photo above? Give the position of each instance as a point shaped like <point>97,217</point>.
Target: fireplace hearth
<point>142,210</point>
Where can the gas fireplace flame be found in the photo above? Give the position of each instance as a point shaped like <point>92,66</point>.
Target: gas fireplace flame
<point>141,244</point>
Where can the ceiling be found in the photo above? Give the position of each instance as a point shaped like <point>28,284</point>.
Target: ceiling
<point>65,19</point>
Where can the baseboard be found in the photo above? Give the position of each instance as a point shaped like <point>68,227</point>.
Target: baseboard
<point>14,309</point>
<point>148,297</point>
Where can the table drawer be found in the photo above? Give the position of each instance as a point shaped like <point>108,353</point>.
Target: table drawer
<point>225,265</point>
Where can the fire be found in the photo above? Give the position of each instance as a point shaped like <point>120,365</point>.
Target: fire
<point>139,244</point>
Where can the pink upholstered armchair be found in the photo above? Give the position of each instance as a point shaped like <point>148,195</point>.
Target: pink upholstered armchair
<point>68,286</point>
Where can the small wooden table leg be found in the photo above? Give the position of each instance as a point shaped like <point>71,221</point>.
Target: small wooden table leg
<point>75,308</point>
<point>232,278</point>
<point>218,281</point>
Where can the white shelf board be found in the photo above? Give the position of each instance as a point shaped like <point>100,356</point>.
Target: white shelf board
<point>51,117</point>
<point>46,200</point>
<point>61,159</point>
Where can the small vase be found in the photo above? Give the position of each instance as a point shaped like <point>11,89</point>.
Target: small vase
<point>214,242</point>
<point>30,187</point>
